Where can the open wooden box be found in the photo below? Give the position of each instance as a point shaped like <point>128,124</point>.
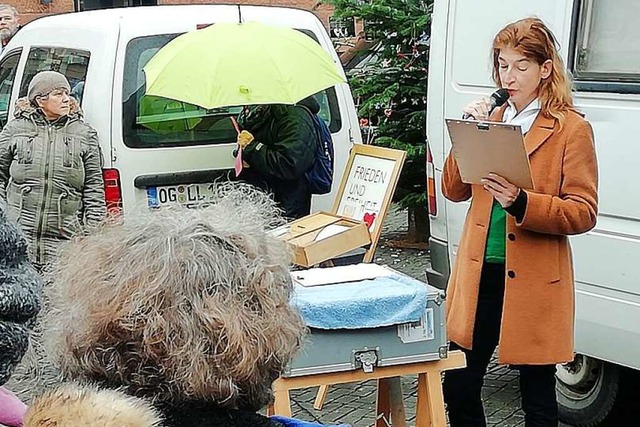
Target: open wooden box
<point>359,208</point>
<point>323,236</point>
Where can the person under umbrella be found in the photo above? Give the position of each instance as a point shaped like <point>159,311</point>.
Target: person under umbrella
<point>278,148</point>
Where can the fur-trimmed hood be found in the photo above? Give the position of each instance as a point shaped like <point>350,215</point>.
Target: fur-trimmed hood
<point>81,406</point>
<point>24,108</point>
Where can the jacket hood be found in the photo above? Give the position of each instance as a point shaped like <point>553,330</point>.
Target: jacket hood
<point>256,116</point>
<point>24,108</point>
<point>311,103</point>
<point>80,406</point>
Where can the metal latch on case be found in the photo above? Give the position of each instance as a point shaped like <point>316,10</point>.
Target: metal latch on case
<point>365,358</point>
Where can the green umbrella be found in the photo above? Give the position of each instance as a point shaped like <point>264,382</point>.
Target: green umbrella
<point>240,64</point>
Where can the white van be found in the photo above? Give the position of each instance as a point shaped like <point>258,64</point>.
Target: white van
<point>155,152</point>
<point>599,43</point>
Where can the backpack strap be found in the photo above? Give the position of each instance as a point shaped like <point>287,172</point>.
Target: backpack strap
<point>313,121</point>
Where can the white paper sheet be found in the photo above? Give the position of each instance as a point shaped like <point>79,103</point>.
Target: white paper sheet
<point>280,231</point>
<point>330,230</point>
<point>342,274</point>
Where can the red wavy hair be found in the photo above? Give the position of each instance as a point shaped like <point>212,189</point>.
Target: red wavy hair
<point>532,38</point>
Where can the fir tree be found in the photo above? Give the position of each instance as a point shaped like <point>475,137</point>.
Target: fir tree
<point>390,90</point>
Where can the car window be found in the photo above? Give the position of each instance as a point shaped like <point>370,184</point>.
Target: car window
<point>150,121</point>
<point>8,68</point>
<point>605,48</point>
<point>72,63</point>
<point>329,109</point>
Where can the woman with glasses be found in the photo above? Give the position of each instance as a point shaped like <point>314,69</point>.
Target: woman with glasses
<point>50,167</point>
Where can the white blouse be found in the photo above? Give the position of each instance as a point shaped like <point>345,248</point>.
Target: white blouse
<point>525,118</point>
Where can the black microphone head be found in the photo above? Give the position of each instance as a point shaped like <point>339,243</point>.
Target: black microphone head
<point>499,97</point>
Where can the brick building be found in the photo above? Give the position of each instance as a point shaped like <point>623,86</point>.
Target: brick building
<point>31,9</point>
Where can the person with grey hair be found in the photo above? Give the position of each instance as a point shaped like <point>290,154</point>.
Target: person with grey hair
<point>50,167</point>
<point>187,309</point>
<point>9,23</point>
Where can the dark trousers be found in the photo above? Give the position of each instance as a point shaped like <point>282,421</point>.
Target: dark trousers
<point>463,387</point>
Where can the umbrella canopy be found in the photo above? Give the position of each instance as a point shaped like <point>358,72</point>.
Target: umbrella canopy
<point>240,64</point>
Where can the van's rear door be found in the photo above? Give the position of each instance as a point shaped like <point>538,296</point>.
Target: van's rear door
<point>169,152</point>
<point>165,151</point>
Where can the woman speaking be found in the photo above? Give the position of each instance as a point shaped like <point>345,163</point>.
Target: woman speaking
<point>512,283</point>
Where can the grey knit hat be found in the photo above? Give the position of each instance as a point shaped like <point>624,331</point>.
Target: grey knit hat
<point>45,82</point>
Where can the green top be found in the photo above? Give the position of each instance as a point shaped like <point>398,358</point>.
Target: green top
<point>496,246</point>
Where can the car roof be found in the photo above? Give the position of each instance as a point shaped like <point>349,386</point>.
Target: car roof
<point>156,15</point>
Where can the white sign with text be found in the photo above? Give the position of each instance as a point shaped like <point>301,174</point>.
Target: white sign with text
<point>366,188</point>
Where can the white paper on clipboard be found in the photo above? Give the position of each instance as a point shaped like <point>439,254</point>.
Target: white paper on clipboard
<point>481,148</point>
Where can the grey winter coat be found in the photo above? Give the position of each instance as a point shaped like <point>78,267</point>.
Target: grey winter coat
<point>20,288</point>
<point>50,177</point>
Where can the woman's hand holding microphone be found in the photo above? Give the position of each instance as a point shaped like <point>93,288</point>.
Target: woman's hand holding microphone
<point>477,110</point>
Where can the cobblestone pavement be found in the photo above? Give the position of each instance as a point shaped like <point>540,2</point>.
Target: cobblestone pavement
<point>355,403</point>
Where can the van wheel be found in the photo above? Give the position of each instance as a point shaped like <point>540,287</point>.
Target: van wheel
<point>587,390</point>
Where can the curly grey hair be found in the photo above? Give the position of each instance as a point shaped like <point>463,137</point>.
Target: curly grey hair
<point>180,305</point>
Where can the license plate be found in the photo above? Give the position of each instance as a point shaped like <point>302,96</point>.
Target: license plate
<point>189,195</point>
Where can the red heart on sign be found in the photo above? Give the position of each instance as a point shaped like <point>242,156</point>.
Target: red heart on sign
<point>369,218</point>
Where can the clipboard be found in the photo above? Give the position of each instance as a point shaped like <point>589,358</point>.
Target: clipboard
<point>481,148</point>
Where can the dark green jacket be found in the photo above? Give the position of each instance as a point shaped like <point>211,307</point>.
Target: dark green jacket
<point>50,177</point>
<point>282,152</point>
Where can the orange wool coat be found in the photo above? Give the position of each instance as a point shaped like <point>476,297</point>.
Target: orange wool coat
<point>538,314</point>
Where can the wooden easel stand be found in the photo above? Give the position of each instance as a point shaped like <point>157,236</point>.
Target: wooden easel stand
<point>429,407</point>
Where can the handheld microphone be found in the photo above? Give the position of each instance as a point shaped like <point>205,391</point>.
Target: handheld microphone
<point>497,99</point>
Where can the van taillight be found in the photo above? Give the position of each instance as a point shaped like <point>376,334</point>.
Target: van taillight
<point>112,191</point>
<point>431,184</point>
